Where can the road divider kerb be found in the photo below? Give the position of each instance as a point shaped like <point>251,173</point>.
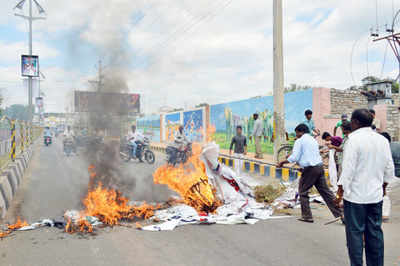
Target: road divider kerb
<point>287,174</point>
<point>11,178</point>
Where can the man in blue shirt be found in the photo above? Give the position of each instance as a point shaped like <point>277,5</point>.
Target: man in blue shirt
<point>309,122</point>
<point>306,154</point>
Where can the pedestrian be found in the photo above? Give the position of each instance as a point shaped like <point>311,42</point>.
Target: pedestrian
<point>258,131</point>
<point>309,122</point>
<point>339,124</point>
<point>240,148</point>
<point>376,123</point>
<point>346,128</point>
<point>335,140</point>
<point>306,154</point>
<point>367,169</point>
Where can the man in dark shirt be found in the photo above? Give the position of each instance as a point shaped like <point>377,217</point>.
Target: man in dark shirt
<point>240,148</point>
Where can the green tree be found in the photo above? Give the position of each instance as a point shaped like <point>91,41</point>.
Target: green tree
<point>17,111</point>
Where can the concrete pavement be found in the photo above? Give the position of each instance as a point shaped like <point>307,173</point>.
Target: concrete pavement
<point>54,183</point>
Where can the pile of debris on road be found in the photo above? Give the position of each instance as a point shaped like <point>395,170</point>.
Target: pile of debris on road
<point>210,193</point>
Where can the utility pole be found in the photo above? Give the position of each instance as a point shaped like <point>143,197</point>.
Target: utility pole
<point>30,19</point>
<point>279,111</point>
<point>99,81</point>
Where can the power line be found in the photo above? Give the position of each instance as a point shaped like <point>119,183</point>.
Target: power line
<point>184,29</point>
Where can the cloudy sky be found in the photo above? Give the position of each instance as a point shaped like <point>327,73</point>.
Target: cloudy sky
<point>183,52</point>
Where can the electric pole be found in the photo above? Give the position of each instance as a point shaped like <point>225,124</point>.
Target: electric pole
<point>99,81</point>
<point>279,111</point>
<point>30,19</point>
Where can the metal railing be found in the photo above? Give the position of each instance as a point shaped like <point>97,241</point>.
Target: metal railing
<point>15,137</point>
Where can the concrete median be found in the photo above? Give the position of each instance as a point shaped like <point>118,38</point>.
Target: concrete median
<point>11,178</point>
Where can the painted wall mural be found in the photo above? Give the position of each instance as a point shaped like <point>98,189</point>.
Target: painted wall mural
<point>150,127</point>
<point>172,123</point>
<point>226,116</point>
<point>193,122</point>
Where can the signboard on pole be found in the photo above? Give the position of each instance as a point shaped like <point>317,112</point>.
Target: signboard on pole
<point>30,65</point>
<point>39,102</point>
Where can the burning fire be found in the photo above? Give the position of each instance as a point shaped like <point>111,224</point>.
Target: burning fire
<point>19,224</point>
<point>12,227</point>
<point>190,182</point>
<point>109,206</point>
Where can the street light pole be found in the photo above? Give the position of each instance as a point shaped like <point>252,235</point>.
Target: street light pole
<point>30,19</point>
<point>30,53</point>
<point>279,111</point>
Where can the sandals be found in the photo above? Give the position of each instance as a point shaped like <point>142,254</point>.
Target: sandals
<point>305,220</point>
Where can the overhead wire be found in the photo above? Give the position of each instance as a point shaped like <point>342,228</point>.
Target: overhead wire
<point>186,28</point>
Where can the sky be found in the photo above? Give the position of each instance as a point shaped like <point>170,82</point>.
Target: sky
<point>180,53</point>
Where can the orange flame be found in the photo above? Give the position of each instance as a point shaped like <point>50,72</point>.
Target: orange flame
<point>12,227</point>
<point>19,224</point>
<point>190,182</point>
<point>210,133</point>
<point>109,206</point>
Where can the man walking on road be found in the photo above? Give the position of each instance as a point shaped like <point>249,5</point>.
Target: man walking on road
<point>258,131</point>
<point>306,154</point>
<point>366,170</point>
<point>240,148</point>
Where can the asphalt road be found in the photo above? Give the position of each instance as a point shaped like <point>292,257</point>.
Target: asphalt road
<point>54,184</point>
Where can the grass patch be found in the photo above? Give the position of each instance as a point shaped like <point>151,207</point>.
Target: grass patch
<point>268,193</point>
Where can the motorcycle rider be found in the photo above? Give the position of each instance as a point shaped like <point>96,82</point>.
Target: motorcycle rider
<point>69,136</point>
<point>134,137</point>
<point>47,133</point>
<point>180,138</point>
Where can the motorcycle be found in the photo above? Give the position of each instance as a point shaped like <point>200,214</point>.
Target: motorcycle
<point>47,140</point>
<point>142,150</point>
<point>178,156</point>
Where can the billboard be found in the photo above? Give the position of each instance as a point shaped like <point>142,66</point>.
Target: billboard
<point>39,102</point>
<point>30,66</point>
<point>172,123</point>
<point>193,123</point>
<point>109,102</point>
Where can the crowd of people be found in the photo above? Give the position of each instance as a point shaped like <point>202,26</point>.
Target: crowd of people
<point>365,166</point>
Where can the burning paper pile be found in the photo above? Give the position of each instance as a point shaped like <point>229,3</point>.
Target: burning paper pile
<point>105,206</point>
<point>212,191</point>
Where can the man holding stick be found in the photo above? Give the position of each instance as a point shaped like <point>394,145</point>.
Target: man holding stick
<point>366,170</point>
<point>306,154</point>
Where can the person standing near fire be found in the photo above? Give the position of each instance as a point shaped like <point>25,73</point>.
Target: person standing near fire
<point>258,131</point>
<point>306,154</point>
<point>366,171</point>
<point>240,148</point>
<point>309,122</point>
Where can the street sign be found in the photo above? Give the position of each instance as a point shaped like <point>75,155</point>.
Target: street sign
<point>30,65</point>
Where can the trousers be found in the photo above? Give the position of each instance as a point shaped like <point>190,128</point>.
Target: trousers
<point>315,176</point>
<point>364,220</point>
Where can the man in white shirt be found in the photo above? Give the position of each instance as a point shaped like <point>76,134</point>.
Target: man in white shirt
<point>258,131</point>
<point>306,154</point>
<point>180,138</point>
<point>366,170</point>
<point>133,137</point>
<point>69,137</point>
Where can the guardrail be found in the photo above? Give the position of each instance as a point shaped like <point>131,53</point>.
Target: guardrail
<point>21,135</point>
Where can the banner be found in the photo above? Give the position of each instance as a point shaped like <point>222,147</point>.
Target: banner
<point>39,102</point>
<point>30,66</point>
<point>107,102</point>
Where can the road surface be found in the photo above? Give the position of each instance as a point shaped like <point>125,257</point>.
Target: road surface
<point>54,184</point>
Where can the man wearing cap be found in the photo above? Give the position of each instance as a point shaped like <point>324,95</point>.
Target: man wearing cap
<point>340,123</point>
